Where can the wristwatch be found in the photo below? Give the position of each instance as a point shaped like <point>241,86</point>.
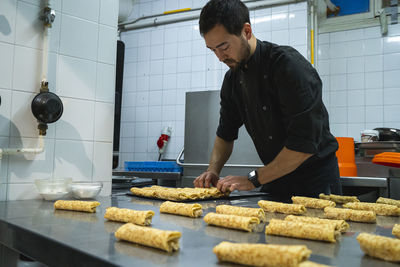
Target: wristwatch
<point>253,178</point>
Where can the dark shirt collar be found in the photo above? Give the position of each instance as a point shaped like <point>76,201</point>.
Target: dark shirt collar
<point>249,63</point>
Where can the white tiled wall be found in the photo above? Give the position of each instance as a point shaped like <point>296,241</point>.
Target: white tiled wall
<point>81,72</point>
<point>163,63</point>
<point>360,70</point>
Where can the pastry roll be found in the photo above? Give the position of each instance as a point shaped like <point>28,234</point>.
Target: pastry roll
<point>350,215</point>
<point>241,211</point>
<point>165,240</point>
<point>340,225</point>
<point>396,230</point>
<point>389,201</point>
<point>314,203</point>
<point>144,192</point>
<point>232,221</point>
<point>78,205</point>
<point>261,254</point>
<point>323,232</point>
<point>273,206</point>
<point>339,199</point>
<point>140,217</point>
<point>385,248</point>
<point>190,210</point>
<point>379,209</point>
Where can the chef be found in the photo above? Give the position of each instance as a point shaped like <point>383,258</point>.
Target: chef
<point>276,93</point>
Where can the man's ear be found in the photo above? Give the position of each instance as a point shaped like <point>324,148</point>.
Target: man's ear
<point>247,31</point>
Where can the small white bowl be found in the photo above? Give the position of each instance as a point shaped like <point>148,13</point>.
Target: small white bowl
<point>53,189</point>
<point>84,190</point>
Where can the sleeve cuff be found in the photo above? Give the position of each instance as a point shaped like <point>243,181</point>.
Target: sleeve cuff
<point>300,144</point>
<point>227,135</point>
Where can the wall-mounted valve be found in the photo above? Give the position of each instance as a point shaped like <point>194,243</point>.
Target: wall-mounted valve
<point>47,107</point>
<point>48,15</point>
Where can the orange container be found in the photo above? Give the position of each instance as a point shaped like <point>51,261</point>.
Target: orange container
<point>391,159</point>
<point>346,157</point>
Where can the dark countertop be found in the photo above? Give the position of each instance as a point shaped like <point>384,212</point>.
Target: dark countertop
<point>68,238</point>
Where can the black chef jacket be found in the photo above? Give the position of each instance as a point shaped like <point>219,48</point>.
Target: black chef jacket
<point>276,94</point>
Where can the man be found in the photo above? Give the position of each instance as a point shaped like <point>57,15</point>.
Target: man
<point>276,93</point>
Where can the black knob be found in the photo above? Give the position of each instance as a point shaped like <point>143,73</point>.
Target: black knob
<point>47,107</point>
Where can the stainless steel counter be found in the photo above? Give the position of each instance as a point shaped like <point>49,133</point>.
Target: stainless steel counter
<point>67,238</point>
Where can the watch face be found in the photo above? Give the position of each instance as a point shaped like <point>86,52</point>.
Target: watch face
<point>252,174</point>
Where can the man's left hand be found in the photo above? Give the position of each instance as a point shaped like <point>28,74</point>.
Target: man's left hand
<point>231,183</point>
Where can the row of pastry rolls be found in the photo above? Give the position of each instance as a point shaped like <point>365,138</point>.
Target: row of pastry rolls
<point>168,193</point>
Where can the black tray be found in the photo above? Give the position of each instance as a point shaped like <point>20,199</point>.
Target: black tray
<point>233,195</point>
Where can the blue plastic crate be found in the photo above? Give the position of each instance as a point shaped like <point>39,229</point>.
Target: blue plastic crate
<point>153,166</point>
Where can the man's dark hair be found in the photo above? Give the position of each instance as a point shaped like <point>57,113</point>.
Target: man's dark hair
<point>232,14</point>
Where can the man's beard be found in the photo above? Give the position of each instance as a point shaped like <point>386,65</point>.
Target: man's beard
<point>244,54</point>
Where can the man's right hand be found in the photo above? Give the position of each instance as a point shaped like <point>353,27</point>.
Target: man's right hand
<point>206,179</point>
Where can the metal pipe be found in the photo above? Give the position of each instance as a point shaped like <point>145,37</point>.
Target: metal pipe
<point>162,19</point>
<point>312,33</point>
<point>180,163</point>
<point>166,13</point>
<point>16,151</point>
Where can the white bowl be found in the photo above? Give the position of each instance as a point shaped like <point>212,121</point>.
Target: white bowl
<point>83,190</point>
<point>53,189</point>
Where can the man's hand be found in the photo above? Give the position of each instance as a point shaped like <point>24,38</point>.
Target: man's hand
<point>231,183</point>
<point>206,179</point>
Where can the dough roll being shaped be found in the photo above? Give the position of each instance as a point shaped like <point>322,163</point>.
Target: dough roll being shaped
<point>190,210</point>
<point>261,254</point>
<point>232,221</point>
<point>323,232</point>
<point>339,199</point>
<point>272,206</point>
<point>379,209</point>
<point>140,217</point>
<point>350,215</point>
<point>396,230</point>
<point>314,203</point>
<point>340,225</point>
<point>389,201</point>
<point>156,238</point>
<point>241,211</point>
<point>77,205</point>
<point>385,248</point>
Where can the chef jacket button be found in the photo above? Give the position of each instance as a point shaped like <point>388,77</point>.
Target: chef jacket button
<point>240,82</point>
<point>264,108</point>
<point>265,76</point>
<point>270,137</point>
